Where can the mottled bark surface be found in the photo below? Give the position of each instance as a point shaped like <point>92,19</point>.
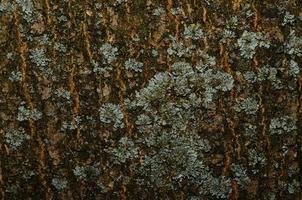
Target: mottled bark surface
<point>150,99</point>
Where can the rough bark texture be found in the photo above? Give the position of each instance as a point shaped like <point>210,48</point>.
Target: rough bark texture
<point>151,99</point>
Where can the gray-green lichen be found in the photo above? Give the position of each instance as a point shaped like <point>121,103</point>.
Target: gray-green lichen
<point>15,76</point>
<point>240,175</point>
<point>179,49</point>
<point>132,64</point>
<point>294,45</point>
<point>26,114</point>
<point>193,31</point>
<point>109,53</point>
<point>111,114</point>
<point>249,105</point>
<point>283,125</point>
<point>39,58</point>
<point>59,183</point>
<point>16,137</point>
<point>249,41</point>
<point>125,151</point>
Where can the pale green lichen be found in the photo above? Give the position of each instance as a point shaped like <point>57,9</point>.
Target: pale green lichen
<point>16,138</point>
<point>249,41</point>
<point>294,45</point>
<point>26,114</point>
<point>27,7</point>
<point>193,31</point>
<point>39,58</point>
<point>176,11</point>
<point>179,49</point>
<point>293,68</point>
<point>132,64</point>
<point>80,172</point>
<point>112,114</point>
<point>61,92</point>
<point>256,159</point>
<point>283,125</point>
<point>109,53</point>
<point>294,187</point>
<point>15,76</point>
<point>97,68</point>
<point>288,18</point>
<point>125,151</point>
<point>60,47</point>
<point>180,157</point>
<point>6,6</point>
<point>249,105</point>
<point>159,11</point>
<point>240,175</point>
<point>59,183</point>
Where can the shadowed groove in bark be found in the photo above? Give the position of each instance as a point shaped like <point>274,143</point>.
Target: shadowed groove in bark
<point>47,10</point>
<point>256,18</point>
<point>87,40</point>
<point>70,12</point>
<point>227,158</point>
<point>40,151</point>
<point>73,88</point>
<point>169,6</point>
<point>72,83</point>
<point>299,125</point>
<point>2,181</point>
<point>89,52</point>
<point>50,23</point>
<point>235,193</point>
<point>76,98</point>
<point>231,126</point>
<point>204,14</point>
<point>233,95</point>
<point>263,121</point>
<point>121,94</point>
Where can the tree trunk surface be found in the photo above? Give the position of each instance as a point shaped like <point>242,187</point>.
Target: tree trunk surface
<point>151,99</point>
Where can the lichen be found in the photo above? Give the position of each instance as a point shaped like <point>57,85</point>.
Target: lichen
<point>59,183</point>
<point>15,76</point>
<point>26,114</point>
<point>249,41</point>
<point>249,105</point>
<point>16,138</point>
<point>283,125</point>
<point>178,48</point>
<point>294,45</point>
<point>111,113</point>
<point>132,64</point>
<point>109,53</point>
<point>193,31</point>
